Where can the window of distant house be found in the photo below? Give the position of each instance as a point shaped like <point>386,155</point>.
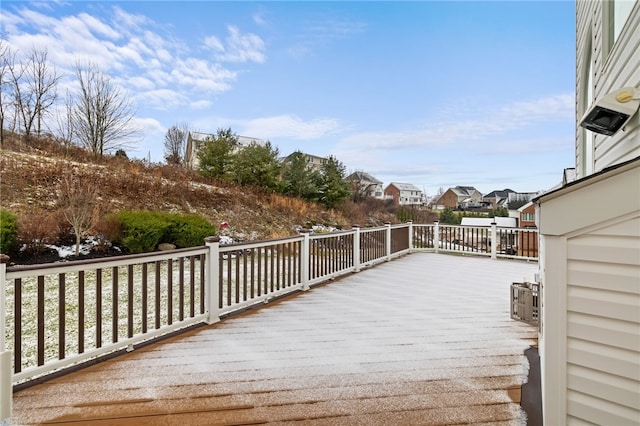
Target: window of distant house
<point>528,217</point>
<point>618,12</point>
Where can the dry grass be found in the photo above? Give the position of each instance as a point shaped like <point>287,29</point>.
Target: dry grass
<point>31,173</point>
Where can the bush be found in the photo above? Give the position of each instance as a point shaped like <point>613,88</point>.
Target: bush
<point>8,231</point>
<point>36,231</point>
<point>189,230</point>
<point>142,231</point>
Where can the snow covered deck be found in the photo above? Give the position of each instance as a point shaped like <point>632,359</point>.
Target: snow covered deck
<point>424,339</point>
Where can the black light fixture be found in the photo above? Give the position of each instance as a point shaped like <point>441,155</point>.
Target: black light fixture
<point>611,112</point>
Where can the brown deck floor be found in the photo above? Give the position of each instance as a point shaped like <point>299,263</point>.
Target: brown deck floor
<point>424,339</point>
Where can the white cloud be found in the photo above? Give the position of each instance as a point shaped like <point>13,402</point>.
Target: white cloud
<point>200,104</point>
<point>466,127</point>
<point>288,126</point>
<point>237,47</point>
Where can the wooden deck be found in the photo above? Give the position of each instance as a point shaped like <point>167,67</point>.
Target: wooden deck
<point>424,339</point>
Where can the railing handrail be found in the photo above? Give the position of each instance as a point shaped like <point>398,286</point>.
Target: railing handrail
<point>21,271</point>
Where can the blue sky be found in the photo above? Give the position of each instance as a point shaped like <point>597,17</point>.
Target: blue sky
<point>436,94</point>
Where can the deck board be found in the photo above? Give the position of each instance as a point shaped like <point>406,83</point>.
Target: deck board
<point>424,339</point>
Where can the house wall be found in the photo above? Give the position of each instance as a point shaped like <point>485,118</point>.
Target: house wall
<point>600,70</point>
<point>530,211</point>
<point>590,267</point>
<point>393,192</point>
<point>448,199</point>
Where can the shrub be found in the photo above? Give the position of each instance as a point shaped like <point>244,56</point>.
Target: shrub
<point>142,231</point>
<point>36,231</point>
<point>8,231</point>
<point>189,230</point>
<point>107,229</point>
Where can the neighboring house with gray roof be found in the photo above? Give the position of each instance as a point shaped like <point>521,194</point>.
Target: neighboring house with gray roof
<point>366,185</point>
<point>403,194</point>
<point>460,197</point>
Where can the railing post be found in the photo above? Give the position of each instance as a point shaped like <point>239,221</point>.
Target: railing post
<point>306,261</point>
<point>436,235</point>
<point>212,286</point>
<point>388,240</point>
<point>410,246</point>
<point>356,248</point>
<point>494,240</point>
<point>6,386</point>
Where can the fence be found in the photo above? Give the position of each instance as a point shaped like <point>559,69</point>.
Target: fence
<point>63,314</point>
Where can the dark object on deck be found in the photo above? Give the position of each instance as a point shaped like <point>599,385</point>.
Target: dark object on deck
<point>531,400</point>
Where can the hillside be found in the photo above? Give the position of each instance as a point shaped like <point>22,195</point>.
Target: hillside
<point>31,177</point>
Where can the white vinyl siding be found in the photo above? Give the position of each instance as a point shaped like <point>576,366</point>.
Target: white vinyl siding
<point>591,280</point>
<point>607,69</point>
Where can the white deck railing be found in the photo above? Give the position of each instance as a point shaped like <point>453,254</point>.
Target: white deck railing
<point>54,316</point>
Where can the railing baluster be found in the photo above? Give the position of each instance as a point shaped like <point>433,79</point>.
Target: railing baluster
<point>17,314</point>
<point>259,277</point>
<point>98,308</point>
<point>237,280</point>
<point>169,291</point>
<point>61,316</point>
<point>114,299</point>
<point>158,308</point>
<point>145,296</point>
<point>81,312</point>
<point>130,301</point>
<point>245,290</point>
<point>40,320</point>
<point>192,286</point>
<point>252,274</point>
<point>181,288</point>
<point>202,283</point>
<point>271,262</point>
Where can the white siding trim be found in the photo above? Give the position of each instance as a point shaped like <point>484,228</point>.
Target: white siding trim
<point>553,345</point>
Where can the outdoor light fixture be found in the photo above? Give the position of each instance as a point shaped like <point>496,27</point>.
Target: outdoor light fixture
<point>611,112</point>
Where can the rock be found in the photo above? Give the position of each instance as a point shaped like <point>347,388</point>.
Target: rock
<point>166,246</point>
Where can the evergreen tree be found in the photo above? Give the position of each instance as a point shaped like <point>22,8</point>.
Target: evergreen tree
<point>257,165</point>
<point>298,179</point>
<point>216,156</point>
<point>449,217</point>
<point>332,189</point>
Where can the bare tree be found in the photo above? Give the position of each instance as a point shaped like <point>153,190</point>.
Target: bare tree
<point>102,115</point>
<point>174,143</point>
<point>34,88</point>
<point>77,201</point>
<point>64,120</point>
<point>7,64</point>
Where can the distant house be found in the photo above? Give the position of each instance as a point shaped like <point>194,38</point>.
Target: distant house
<point>497,198</point>
<point>403,194</point>
<point>366,185</point>
<point>502,198</point>
<point>196,140</point>
<point>527,215</point>
<point>314,162</point>
<point>460,197</point>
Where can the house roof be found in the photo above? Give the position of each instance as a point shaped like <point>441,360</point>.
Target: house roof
<point>504,193</point>
<point>525,206</point>
<point>404,186</point>
<point>362,176</point>
<point>242,140</point>
<point>464,190</point>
